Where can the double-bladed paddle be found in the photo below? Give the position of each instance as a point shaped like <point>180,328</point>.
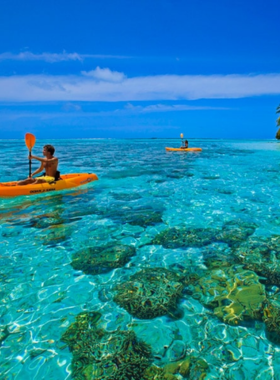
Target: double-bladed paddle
<point>29,142</point>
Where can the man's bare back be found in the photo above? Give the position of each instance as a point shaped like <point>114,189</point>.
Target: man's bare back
<point>49,163</point>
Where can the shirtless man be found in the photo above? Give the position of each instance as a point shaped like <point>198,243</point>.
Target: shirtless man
<point>186,145</point>
<point>50,164</point>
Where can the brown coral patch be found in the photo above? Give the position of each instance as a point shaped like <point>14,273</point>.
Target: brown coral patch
<point>150,293</point>
<point>96,260</point>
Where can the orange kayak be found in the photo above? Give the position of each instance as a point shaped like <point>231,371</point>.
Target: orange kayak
<point>68,181</point>
<point>184,150</point>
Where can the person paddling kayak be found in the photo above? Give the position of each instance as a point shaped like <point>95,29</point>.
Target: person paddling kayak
<point>186,145</point>
<point>50,164</point>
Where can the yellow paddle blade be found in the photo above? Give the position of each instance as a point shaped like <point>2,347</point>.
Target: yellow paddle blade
<point>30,140</point>
<point>181,135</point>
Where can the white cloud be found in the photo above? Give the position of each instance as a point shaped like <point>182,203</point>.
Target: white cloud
<point>52,57</point>
<point>105,75</point>
<point>110,86</point>
<point>167,108</point>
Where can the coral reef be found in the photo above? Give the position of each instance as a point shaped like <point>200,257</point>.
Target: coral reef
<point>126,196</point>
<point>143,216</point>
<point>56,234</point>
<point>232,233</point>
<point>96,260</point>
<point>235,232</point>
<point>102,355</point>
<point>150,293</point>
<point>260,249</point>
<point>218,256</point>
<point>4,333</point>
<point>271,318</point>
<point>234,294</point>
<point>185,237</point>
<point>188,368</point>
<point>261,255</point>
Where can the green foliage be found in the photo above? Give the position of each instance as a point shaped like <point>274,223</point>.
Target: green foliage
<point>278,134</point>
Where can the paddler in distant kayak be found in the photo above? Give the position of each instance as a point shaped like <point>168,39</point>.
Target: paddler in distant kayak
<point>186,145</point>
<point>50,164</point>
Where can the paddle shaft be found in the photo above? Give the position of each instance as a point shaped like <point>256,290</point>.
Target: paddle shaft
<point>30,164</point>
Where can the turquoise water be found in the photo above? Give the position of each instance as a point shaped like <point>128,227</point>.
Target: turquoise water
<point>142,191</point>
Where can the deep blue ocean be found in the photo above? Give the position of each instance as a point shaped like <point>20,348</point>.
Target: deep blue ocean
<point>191,237</point>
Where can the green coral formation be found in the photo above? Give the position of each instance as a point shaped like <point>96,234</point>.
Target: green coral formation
<point>232,233</point>
<point>150,293</point>
<point>96,260</point>
<point>143,218</point>
<point>185,237</point>
<point>218,256</point>
<point>126,196</point>
<point>4,333</point>
<point>234,294</point>
<point>188,368</point>
<point>261,255</point>
<point>102,355</point>
<point>47,220</point>
<point>271,318</point>
<point>56,234</point>
<point>235,232</point>
<point>262,248</point>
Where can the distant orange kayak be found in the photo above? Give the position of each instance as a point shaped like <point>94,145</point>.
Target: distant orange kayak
<point>68,181</point>
<point>184,150</point>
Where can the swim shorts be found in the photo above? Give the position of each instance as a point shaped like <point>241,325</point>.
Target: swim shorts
<point>47,178</point>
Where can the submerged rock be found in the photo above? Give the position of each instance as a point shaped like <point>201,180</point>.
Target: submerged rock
<point>102,355</point>
<point>150,293</point>
<point>96,260</point>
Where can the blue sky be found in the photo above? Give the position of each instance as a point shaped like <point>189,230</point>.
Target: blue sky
<point>153,68</point>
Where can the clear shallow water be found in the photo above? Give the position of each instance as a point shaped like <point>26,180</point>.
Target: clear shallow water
<point>41,293</point>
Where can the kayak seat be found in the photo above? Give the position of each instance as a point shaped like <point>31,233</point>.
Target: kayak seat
<point>57,176</point>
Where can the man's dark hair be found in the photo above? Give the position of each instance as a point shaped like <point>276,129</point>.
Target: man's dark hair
<point>50,149</point>
<point>186,141</point>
